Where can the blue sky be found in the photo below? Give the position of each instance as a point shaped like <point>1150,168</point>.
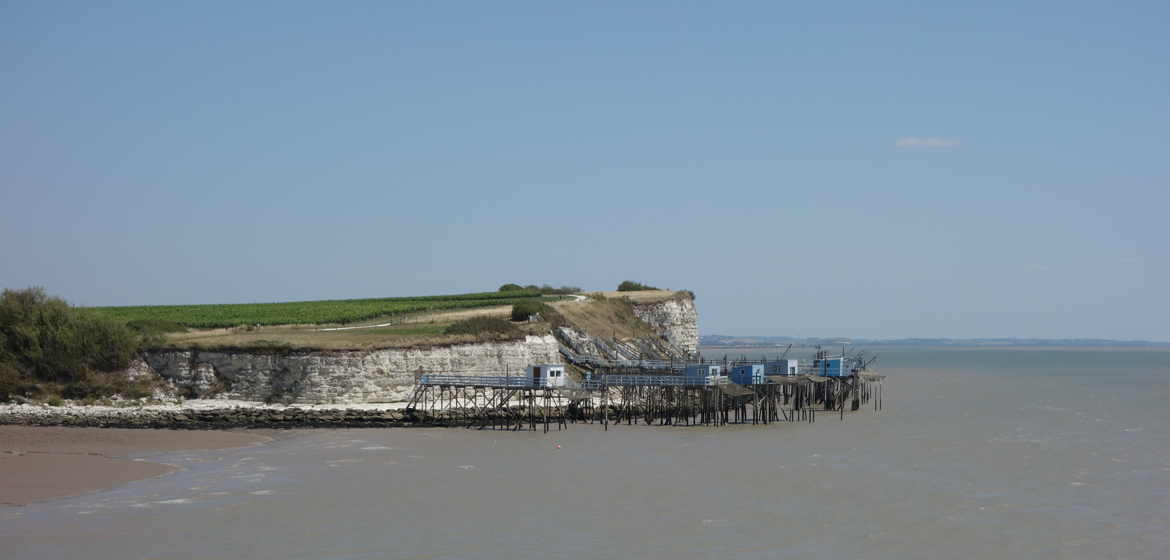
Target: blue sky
<point>822,169</point>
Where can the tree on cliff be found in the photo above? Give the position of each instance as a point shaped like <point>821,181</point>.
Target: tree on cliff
<point>545,289</point>
<point>525,309</point>
<point>631,286</point>
<point>49,348</point>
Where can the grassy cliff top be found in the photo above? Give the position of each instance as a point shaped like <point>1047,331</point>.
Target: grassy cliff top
<point>647,296</point>
<point>367,324</point>
<point>422,329</point>
<point>324,312</point>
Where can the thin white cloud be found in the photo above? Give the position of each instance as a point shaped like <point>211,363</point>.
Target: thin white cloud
<point>929,142</point>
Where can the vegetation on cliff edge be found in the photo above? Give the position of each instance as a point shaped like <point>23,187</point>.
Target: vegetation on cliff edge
<point>543,289</point>
<point>308,312</point>
<point>486,327</point>
<point>50,350</point>
<point>631,286</point>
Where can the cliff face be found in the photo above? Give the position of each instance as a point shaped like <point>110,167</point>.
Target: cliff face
<point>676,319</point>
<point>340,377</point>
<point>667,328</point>
<point>663,329</point>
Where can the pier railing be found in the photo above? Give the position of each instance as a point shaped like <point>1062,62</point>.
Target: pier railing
<point>678,367</point>
<point>482,380</point>
<point>523,382</point>
<point>653,381</point>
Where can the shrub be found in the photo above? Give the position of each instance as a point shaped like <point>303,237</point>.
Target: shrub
<point>13,383</point>
<point>484,326</point>
<point>553,317</point>
<point>46,342</point>
<point>544,289</point>
<point>147,326</point>
<point>153,332</point>
<point>92,385</point>
<point>563,290</point>
<point>525,309</point>
<point>631,286</point>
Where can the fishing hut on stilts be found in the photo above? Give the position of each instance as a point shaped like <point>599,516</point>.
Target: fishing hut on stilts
<point>648,392</point>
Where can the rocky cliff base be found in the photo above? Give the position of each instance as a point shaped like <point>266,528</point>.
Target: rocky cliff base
<point>222,415</point>
<point>339,377</point>
<point>207,415</point>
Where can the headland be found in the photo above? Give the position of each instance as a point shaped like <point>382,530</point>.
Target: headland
<point>311,363</point>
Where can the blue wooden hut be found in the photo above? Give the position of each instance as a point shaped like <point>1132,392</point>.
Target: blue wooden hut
<point>834,367</point>
<point>748,374</point>
<point>782,367</point>
<point>704,370</point>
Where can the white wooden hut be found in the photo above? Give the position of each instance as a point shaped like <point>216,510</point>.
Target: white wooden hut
<point>547,375</point>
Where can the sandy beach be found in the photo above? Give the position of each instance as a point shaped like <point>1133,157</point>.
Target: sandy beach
<point>46,463</point>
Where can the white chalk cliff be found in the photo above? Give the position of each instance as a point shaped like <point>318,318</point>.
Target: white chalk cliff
<point>388,375</point>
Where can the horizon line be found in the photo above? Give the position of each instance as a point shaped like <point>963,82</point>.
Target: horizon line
<point>944,338</point>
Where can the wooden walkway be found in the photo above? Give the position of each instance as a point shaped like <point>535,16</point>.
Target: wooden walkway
<point>520,402</point>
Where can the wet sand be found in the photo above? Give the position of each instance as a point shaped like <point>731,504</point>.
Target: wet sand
<point>47,463</point>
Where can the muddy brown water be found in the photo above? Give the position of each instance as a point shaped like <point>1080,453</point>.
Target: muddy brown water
<point>978,454</point>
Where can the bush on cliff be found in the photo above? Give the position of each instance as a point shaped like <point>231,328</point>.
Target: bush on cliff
<point>631,286</point>
<point>561,291</point>
<point>47,346</point>
<point>14,383</point>
<point>492,327</point>
<point>153,326</point>
<point>525,309</point>
<point>547,313</point>
<point>546,289</point>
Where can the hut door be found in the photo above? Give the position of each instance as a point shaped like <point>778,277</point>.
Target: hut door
<point>535,375</point>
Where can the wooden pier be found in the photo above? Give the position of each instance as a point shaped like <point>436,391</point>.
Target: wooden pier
<point>655,396</point>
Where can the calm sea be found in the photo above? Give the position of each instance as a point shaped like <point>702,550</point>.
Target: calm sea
<point>978,454</point>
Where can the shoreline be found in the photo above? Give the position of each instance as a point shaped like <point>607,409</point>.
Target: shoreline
<point>41,463</point>
<point>209,414</point>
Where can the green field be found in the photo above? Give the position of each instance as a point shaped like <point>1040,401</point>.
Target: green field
<point>309,312</point>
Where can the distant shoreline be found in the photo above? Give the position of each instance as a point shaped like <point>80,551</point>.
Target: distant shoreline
<point>856,345</point>
<point>797,342</point>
